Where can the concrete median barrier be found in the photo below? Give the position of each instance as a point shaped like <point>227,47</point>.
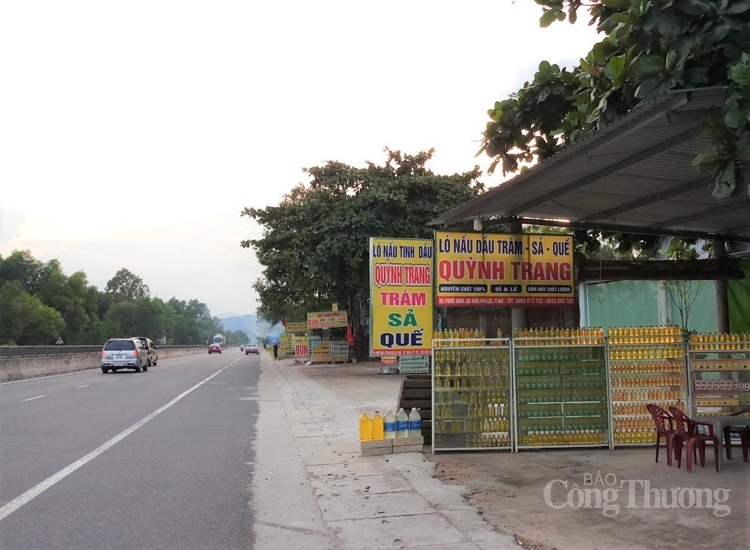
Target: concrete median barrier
<point>20,368</point>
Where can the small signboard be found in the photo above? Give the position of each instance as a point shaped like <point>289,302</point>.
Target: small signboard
<point>59,341</point>
<point>504,270</point>
<point>327,319</point>
<point>295,327</point>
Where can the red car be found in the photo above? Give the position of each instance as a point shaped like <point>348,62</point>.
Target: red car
<point>214,348</point>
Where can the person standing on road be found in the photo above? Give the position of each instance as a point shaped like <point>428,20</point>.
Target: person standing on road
<point>275,350</point>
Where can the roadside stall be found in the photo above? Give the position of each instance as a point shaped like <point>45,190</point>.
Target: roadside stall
<point>327,351</point>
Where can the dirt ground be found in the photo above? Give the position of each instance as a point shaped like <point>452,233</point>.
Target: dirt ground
<point>509,490</point>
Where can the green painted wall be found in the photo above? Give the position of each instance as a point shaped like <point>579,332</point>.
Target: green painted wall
<point>636,303</point>
<point>623,304</point>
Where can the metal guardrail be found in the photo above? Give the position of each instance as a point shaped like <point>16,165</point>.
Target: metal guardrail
<point>36,351</point>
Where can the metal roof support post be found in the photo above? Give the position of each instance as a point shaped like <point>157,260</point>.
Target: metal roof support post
<point>722,303</point>
<point>517,314</point>
<point>664,307</point>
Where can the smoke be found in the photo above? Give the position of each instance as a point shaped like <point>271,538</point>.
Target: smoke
<point>264,328</point>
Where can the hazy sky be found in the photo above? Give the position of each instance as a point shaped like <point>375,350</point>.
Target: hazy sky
<point>133,133</point>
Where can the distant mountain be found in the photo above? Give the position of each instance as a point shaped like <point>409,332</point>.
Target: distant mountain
<point>245,323</point>
<point>251,325</point>
<point>227,315</point>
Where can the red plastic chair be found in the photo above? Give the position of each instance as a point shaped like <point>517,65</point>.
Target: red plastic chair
<point>688,432</point>
<point>664,428</point>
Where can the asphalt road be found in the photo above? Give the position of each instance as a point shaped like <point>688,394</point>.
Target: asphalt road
<point>160,459</point>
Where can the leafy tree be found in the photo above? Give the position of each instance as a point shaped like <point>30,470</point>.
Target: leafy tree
<point>38,303</point>
<point>142,317</point>
<point>650,47</point>
<point>191,322</point>
<point>21,266</point>
<point>73,299</point>
<point>182,326</point>
<point>24,320</point>
<point>237,337</point>
<point>315,242</point>
<point>126,287</point>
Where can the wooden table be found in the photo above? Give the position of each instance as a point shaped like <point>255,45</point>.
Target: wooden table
<point>719,423</point>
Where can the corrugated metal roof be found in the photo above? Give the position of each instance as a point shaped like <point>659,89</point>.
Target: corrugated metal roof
<point>635,174</point>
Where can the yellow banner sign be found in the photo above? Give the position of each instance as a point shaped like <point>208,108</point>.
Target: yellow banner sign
<point>301,347</point>
<point>286,345</point>
<point>503,270</point>
<point>296,328</point>
<point>401,296</point>
<point>327,319</point>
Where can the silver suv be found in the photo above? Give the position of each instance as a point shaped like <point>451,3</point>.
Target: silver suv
<point>124,353</point>
<point>150,348</point>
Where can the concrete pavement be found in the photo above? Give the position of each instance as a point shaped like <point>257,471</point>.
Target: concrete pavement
<point>311,488</point>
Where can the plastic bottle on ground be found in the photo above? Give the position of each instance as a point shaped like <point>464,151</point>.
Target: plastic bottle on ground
<point>389,424</point>
<point>365,427</point>
<point>415,423</point>
<point>377,427</point>
<point>402,424</point>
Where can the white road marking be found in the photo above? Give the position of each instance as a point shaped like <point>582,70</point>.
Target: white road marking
<point>113,379</point>
<point>45,377</point>
<point>32,398</point>
<point>34,492</point>
<point>84,386</point>
<point>136,374</point>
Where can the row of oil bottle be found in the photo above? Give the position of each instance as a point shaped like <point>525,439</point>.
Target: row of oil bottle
<point>716,341</point>
<point>533,439</point>
<point>391,426</point>
<point>464,337</point>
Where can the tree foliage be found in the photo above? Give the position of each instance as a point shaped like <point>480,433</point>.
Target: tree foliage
<point>39,303</point>
<point>21,266</point>
<point>126,287</point>
<point>237,337</point>
<point>24,319</point>
<point>314,247</point>
<point>650,47</point>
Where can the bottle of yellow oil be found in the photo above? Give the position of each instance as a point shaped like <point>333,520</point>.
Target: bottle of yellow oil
<point>365,427</point>
<point>377,427</point>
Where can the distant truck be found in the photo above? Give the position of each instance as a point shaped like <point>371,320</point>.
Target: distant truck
<point>219,339</point>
